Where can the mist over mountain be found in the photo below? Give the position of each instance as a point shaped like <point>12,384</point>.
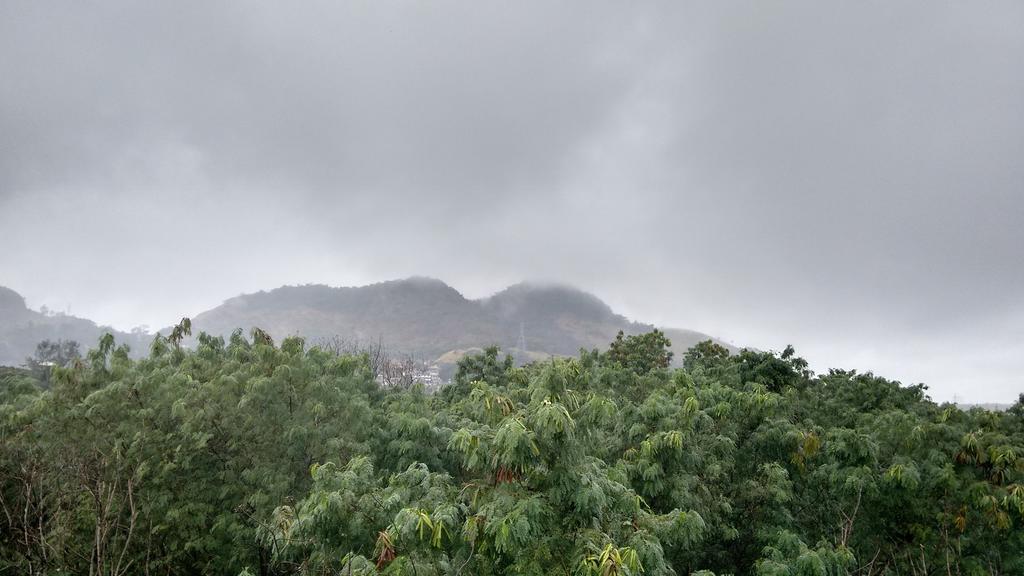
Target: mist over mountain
<point>428,318</point>
<point>419,316</point>
<point>21,328</point>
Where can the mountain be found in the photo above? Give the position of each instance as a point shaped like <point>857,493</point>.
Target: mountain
<point>417,315</point>
<point>556,319</point>
<point>427,318</point>
<point>21,328</point>
<point>423,317</point>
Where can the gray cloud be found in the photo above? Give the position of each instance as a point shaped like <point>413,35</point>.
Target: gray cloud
<point>845,178</point>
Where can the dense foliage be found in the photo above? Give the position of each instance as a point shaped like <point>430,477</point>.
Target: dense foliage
<point>243,456</point>
<point>50,353</point>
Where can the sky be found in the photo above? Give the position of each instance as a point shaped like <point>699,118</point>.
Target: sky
<point>844,177</point>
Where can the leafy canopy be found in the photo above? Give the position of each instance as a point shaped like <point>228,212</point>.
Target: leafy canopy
<point>246,456</point>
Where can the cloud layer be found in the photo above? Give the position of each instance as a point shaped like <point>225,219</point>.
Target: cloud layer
<point>848,179</point>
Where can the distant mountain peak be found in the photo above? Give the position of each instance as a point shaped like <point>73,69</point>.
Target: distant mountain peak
<point>546,298</point>
<point>429,281</point>
<point>427,317</point>
<point>419,315</point>
<point>425,284</point>
<point>11,300</point>
<point>22,328</point>
<point>545,287</point>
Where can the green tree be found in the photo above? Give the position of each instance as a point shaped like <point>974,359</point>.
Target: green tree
<point>214,456</point>
<point>50,354</point>
<point>640,353</point>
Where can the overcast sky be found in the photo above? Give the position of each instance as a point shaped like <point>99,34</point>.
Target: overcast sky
<point>846,177</point>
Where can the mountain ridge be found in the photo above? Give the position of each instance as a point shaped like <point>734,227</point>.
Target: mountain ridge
<point>22,328</point>
<point>420,316</point>
<point>427,317</point>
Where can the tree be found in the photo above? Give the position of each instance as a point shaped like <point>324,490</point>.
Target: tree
<point>16,382</point>
<point>249,456</point>
<point>50,354</point>
<point>640,353</point>
<point>706,354</point>
<point>485,367</point>
<point>775,371</point>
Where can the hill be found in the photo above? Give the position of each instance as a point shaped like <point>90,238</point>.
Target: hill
<point>21,328</point>
<point>423,317</point>
<point>427,318</point>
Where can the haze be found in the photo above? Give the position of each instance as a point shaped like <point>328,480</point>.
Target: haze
<point>847,178</point>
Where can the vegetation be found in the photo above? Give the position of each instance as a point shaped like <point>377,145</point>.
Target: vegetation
<point>247,457</point>
<point>416,318</point>
<point>22,329</point>
<point>427,318</point>
<point>51,353</point>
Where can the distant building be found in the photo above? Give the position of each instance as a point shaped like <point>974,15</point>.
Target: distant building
<point>405,373</point>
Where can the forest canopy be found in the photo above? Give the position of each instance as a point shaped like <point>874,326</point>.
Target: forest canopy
<point>245,456</point>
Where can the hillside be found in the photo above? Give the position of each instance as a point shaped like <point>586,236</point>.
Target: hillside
<point>420,316</point>
<point>21,328</point>
<point>428,318</point>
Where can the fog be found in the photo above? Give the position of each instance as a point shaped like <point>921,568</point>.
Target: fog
<point>845,178</point>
